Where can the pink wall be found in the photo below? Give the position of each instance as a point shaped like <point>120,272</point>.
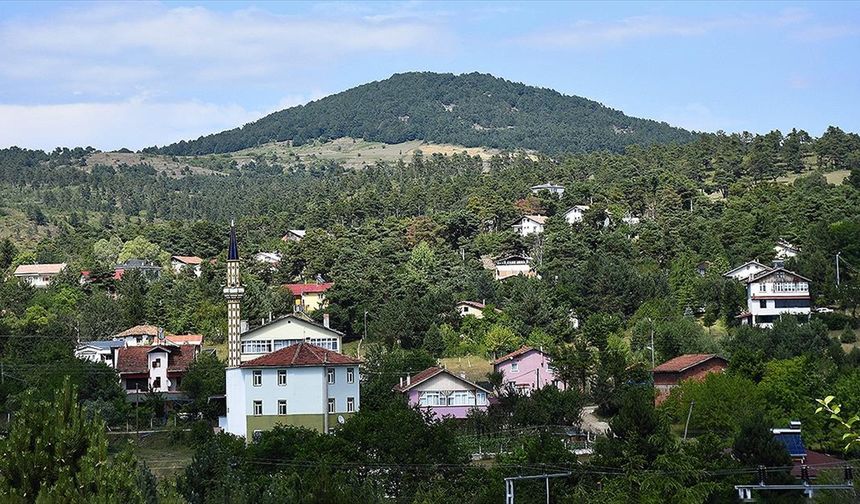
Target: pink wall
<point>414,397</point>
<point>534,371</point>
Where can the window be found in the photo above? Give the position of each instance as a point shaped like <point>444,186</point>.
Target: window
<point>258,378</point>
<point>257,346</point>
<point>258,408</point>
<point>791,303</point>
<point>350,404</point>
<point>330,376</point>
<point>156,383</point>
<point>327,343</point>
<point>282,406</point>
<point>515,367</point>
<point>331,405</point>
<point>461,398</point>
<point>282,377</point>
<point>762,287</point>
<point>762,303</point>
<point>350,375</point>
<point>481,398</point>
<point>156,363</point>
<point>284,343</point>
<point>432,399</point>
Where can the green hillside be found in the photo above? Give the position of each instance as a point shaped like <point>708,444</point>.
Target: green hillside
<point>470,109</point>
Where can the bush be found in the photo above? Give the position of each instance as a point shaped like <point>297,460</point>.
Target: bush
<point>848,335</point>
<point>834,320</point>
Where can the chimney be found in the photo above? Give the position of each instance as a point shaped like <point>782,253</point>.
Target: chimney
<point>401,382</point>
<point>408,380</point>
<point>326,321</point>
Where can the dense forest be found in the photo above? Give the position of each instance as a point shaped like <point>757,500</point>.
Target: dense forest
<point>403,243</point>
<point>469,109</point>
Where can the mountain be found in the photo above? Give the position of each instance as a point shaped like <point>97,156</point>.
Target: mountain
<point>474,110</point>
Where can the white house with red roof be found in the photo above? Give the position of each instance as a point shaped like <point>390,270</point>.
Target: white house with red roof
<point>154,368</point>
<point>443,393</point>
<point>38,275</point>
<point>179,263</point>
<point>301,385</point>
<point>527,369</point>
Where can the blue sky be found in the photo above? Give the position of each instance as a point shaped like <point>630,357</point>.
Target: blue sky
<point>137,74</point>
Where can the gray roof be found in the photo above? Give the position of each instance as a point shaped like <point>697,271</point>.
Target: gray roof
<point>103,344</point>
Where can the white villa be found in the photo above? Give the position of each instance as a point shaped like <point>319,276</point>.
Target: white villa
<point>555,189</point>
<point>179,263</point>
<point>513,265</point>
<point>771,293</point>
<point>38,275</point>
<point>530,224</point>
<point>575,213</point>
<point>785,249</point>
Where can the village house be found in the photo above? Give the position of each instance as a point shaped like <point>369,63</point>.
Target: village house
<point>472,308</point>
<point>444,394</point>
<point>530,224</point>
<point>99,351</point>
<point>295,235</point>
<point>792,439</point>
<point>746,271</point>
<point>286,372</point>
<point>773,293</point>
<point>574,214</point>
<point>38,275</point>
<point>154,368</point>
<point>785,249</point>
<point>513,265</point>
<point>273,259</point>
<point>309,297</point>
<point>685,367</point>
<point>301,385</point>
<point>139,335</point>
<point>526,370</point>
<point>554,189</point>
<point>180,263</point>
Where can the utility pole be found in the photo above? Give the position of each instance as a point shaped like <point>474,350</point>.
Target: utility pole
<point>837,268</point>
<point>689,414</point>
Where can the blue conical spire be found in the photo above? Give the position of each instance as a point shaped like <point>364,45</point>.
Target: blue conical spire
<point>233,250</point>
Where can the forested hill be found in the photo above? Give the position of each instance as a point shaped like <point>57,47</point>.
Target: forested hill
<point>471,110</point>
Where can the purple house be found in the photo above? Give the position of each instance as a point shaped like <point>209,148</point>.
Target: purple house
<point>446,395</point>
<point>527,369</point>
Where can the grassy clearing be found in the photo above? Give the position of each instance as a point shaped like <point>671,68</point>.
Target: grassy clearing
<point>164,456</point>
<point>836,177</point>
<point>475,367</point>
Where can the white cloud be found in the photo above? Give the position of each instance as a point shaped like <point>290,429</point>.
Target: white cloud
<point>133,123</point>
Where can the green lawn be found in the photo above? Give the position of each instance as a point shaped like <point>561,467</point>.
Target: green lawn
<point>163,456</point>
<point>475,367</point>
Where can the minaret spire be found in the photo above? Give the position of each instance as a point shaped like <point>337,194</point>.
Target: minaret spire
<point>233,293</point>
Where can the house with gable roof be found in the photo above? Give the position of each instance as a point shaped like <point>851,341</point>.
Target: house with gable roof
<point>773,293</point>
<point>154,368</point>
<point>530,224</point>
<point>671,373</point>
<point>309,296</point>
<point>38,275</point>
<point>443,393</point>
<point>527,369</point>
<point>180,263</point>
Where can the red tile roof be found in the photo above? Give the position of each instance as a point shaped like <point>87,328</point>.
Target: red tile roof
<point>301,354</point>
<point>185,339</point>
<point>516,353</point>
<point>148,330</point>
<point>188,259</point>
<point>134,359</point>
<point>311,288</point>
<point>40,269</point>
<point>684,362</point>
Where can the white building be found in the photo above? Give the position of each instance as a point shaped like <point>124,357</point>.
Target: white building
<point>38,275</point>
<point>785,250</point>
<point>154,368</point>
<point>99,351</point>
<point>294,235</point>
<point>555,189</point>
<point>773,293</point>
<point>746,271</point>
<point>286,372</point>
<point>301,385</point>
<point>272,258</point>
<point>575,213</point>
<point>180,263</point>
<point>530,224</point>
<point>513,265</point>
<point>473,308</point>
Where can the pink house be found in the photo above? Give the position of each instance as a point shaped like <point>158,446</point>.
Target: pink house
<point>526,369</point>
<point>446,395</point>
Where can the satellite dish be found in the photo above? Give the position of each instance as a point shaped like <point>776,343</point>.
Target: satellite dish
<point>340,419</point>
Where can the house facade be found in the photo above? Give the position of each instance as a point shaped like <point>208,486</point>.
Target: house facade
<point>575,213</point>
<point>530,224</point>
<point>180,263</point>
<point>99,351</point>
<point>526,370</point>
<point>554,189</point>
<point>746,271</point>
<point>443,394</point>
<point>148,269</point>
<point>471,308</point>
<point>513,265</point>
<point>685,367</point>
<point>287,331</point>
<point>38,275</point>
<point>774,293</point>
<point>309,296</point>
<point>154,368</point>
<point>302,385</point>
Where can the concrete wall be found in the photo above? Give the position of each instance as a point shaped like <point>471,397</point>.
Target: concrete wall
<point>158,372</point>
<point>288,329</point>
<point>236,411</point>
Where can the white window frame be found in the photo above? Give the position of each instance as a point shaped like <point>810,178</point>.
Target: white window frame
<point>282,407</point>
<point>282,377</point>
<point>255,405</point>
<point>330,376</point>
<point>332,406</point>
<point>480,398</point>
<point>257,378</point>
<point>350,375</point>
<point>350,404</point>
<point>515,367</point>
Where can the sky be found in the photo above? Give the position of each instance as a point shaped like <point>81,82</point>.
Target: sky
<point>136,74</point>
